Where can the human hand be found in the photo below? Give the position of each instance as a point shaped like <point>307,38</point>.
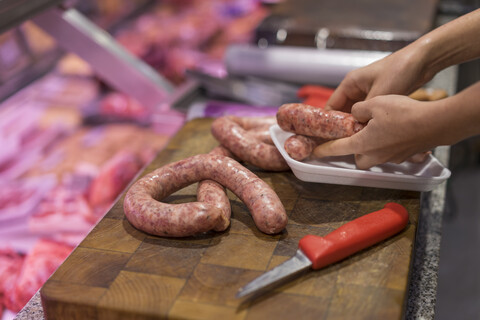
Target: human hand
<point>397,128</point>
<point>399,73</point>
<point>412,66</point>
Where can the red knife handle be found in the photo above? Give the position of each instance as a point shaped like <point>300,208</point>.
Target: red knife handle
<point>354,235</point>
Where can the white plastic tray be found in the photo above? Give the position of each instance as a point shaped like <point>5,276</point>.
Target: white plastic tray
<point>342,170</point>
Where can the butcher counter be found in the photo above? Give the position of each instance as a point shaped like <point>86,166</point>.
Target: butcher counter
<point>394,279</point>
<point>120,272</point>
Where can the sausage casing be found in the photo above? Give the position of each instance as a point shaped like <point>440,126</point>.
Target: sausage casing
<point>144,210</point>
<point>261,134</point>
<point>300,147</point>
<point>311,121</point>
<point>236,139</point>
<point>212,192</point>
<point>249,123</point>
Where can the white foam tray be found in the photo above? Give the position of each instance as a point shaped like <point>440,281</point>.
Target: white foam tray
<point>423,176</point>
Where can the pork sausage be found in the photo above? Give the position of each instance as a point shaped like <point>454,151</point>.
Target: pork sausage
<point>311,121</point>
<point>315,123</point>
<point>235,138</point>
<point>212,192</point>
<point>300,147</point>
<point>261,134</point>
<point>144,210</point>
<point>249,123</point>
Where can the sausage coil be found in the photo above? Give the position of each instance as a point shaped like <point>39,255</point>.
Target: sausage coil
<point>236,139</point>
<point>144,210</point>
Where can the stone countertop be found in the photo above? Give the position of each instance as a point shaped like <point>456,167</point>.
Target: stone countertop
<point>424,274</point>
<point>33,309</point>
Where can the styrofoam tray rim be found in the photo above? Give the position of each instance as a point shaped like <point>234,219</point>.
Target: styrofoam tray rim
<point>327,173</point>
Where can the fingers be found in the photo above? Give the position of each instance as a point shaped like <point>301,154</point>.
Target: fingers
<point>343,147</point>
<point>364,162</point>
<point>337,100</point>
<point>339,147</point>
<point>419,157</point>
<point>346,94</point>
<point>362,112</point>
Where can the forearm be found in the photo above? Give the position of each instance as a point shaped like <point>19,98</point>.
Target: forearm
<point>452,43</point>
<point>461,115</point>
<point>411,67</point>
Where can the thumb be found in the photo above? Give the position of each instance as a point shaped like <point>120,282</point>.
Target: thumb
<point>362,111</point>
<point>338,147</point>
<point>365,162</point>
<point>338,100</point>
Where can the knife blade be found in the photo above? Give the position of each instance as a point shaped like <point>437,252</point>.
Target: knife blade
<point>317,252</point>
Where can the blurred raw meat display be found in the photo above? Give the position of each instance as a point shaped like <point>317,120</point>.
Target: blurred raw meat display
<point>70,145</point>
<point>177,35</point>
<point>34,270</point>
<point>58,177</point>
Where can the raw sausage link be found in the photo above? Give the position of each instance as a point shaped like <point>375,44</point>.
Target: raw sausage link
<point>212,192</point>
<point>256,127</point>
<point>261,134</point>
<point>144,210</point>
<point>300,147</point>
<point>428,94</point>
<point>249,123</point>
<point>230,134</point>
<point>311,121</point>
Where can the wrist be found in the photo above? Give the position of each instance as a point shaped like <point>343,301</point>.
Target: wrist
<point>460,115</point>
<point>416,57</point>
<point>452,43</point>
<point>429,56</point>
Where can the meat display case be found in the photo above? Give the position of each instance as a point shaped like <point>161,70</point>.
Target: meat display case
<point>110,60</point>
<point>54,152</point>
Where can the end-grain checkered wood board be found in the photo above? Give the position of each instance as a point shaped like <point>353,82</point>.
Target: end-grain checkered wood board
<point>120,272</point>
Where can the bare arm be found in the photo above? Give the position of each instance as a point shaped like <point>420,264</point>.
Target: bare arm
<point>409,68</point>
<point>450,44</point>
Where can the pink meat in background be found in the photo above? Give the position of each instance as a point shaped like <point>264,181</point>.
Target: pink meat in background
<point>45,257</point>
<point>121,105</point>
<point>10,265</point>
<point>113,177</point>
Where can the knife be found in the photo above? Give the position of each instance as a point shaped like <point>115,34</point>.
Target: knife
<point>317,252</point>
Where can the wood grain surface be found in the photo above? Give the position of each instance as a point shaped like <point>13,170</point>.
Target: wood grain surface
<point>120,272</point>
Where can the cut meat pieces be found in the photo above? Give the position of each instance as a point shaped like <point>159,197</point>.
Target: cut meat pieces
<point>114,176</point>
<point>10,266</point>
<point>45,257</point>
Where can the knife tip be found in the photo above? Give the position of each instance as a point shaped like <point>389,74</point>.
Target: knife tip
<point>241,293</point>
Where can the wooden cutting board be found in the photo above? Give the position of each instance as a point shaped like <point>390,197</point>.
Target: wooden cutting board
<point>120,272</point>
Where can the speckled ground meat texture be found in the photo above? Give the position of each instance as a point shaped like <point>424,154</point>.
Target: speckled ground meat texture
<point>261,134</point>
<point>301,147</point>
<point>249,123</point>
<point>236,139</point>
<point>312,121</point>
<point>212,192</point>
<point>145,211</point>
